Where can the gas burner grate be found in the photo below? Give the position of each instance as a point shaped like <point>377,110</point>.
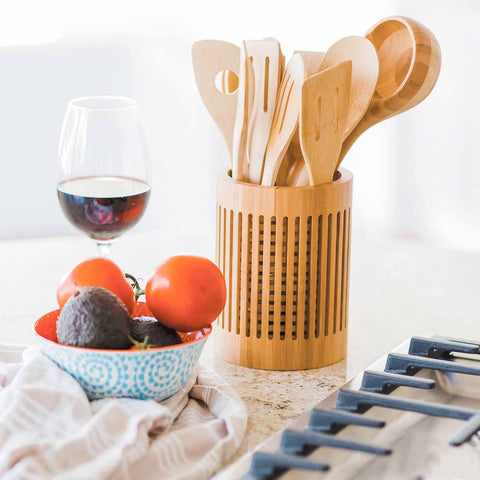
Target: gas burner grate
<point>440,370</point>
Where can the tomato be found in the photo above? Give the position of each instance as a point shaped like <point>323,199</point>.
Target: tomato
<point>186,293</point>
<point>96,272</point>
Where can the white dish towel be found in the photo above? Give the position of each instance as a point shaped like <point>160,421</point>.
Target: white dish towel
<point>49,429</point>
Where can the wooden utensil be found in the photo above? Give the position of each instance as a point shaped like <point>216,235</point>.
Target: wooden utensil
<point>364,74</point>
<point>292,161</point>
<point>285,120</point>
<point>323,116</point>
<point>364,78</point>
<point>209,58</point>
<point>246,92</point>
<point>410,60</point>
<point>292,169</point>
<point>311,60</point>
<point>267,62</point>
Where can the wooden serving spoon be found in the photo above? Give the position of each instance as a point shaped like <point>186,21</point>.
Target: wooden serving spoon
<point>209,58</point>
<point>324,113</point>
<point>410,60</point>
<point>312,61</point>
<point>364,77</point>
<point>364,74</point>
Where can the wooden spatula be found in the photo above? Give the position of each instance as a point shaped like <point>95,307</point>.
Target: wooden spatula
<point>285,120</point>
<point>209,58</point>
<point>246,92</point>
<point>324,112</point>
<point>292,167</point>
<point>365,68</point>
<point>267,61</point>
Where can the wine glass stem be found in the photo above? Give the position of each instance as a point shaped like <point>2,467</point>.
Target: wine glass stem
<point>104,249</point>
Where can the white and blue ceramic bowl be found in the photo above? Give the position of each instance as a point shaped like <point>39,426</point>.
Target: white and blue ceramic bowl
<point>155,373</point>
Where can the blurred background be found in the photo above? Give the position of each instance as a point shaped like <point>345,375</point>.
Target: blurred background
<point>416,175</point>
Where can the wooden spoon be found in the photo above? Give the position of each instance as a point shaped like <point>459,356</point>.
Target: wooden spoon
<point>312,61</point>
<point>285,119</point>
<point>364,74</point>
<point>365,68</point>
<point>267,62</point>
<point>410,61</point>
<point>324,113</point>
<point>209,58</point>
<point>246,91</point>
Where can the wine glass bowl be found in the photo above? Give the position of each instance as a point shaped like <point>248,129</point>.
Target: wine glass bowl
<point>104,181</point>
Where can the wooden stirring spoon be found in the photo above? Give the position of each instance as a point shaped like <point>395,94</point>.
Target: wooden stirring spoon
<point>364,74</point>
<point>211,57</point>
<point>410,61</point>
<point>323,116</point>
<point>311,60</point>
<point>364,77</point>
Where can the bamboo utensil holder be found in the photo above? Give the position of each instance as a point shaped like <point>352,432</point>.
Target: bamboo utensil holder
<point>284,252</point>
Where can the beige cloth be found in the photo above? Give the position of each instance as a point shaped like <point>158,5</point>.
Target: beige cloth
<point>49,429</point>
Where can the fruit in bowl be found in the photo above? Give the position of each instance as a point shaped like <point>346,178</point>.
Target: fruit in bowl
<point>114,348</point>
<point>154,373</point>
<point>94,318</point>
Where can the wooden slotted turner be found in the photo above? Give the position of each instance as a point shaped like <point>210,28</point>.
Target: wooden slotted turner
<point>324,111</point>
<point>209,58</point>
<point>267,62</point>
<point>365,68</point>
<point>285,120</point>
<point>292,167</point>
<point>246,91</point>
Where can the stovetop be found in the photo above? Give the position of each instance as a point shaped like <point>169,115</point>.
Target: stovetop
<point>413,415</point>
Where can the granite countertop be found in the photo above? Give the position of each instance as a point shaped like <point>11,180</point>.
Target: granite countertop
<point>273,399</point>
<point>398,288</point>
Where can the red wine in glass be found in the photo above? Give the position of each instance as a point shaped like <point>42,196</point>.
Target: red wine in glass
<point>104,178</point>
<point>103,206</point>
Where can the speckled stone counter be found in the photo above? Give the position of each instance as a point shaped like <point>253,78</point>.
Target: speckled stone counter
<point>398,288</point>
<point>274,398</point>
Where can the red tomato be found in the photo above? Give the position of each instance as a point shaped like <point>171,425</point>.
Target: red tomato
<point>186,293</point>
<point>96,272</point>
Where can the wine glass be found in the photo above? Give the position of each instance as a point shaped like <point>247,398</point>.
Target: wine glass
<point>104,180</point>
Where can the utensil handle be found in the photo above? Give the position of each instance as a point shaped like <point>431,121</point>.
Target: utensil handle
<point>361,127</point>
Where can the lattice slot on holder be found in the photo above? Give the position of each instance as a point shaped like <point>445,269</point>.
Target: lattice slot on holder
<point>285,256</point>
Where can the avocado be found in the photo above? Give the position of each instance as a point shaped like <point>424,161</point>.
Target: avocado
<point>94,318</point>
<point>158,335</point>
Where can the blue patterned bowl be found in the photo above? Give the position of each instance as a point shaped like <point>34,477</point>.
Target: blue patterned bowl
<point>156,373</point>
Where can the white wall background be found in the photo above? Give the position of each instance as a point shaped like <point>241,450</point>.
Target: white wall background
<point>416,175</point>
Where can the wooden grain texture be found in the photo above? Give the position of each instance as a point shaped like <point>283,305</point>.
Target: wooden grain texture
<point>323,115</point>
<point>290,297</point>
<point>311,60</point>
<point>246,92</point>
<point>292,167</point>
<point>410,59</point>
<point>267,61</point>
<point>364,74</point>
<point>209,58</point>
<point>285,119</point>
<point>292,171</point>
